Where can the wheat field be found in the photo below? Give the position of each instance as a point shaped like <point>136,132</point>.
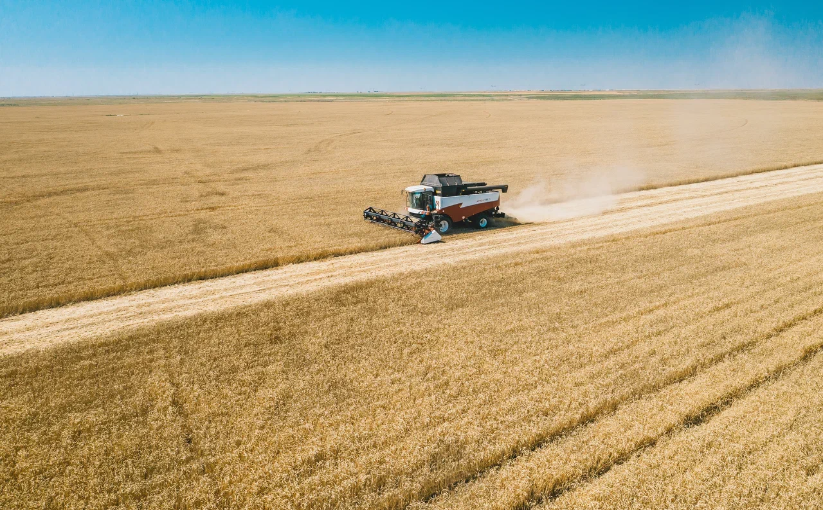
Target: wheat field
<point>676,365</point>
<point>764,451</point>
<point>104,196</point>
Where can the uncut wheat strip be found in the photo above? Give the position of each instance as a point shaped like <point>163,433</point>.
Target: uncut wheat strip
<point>539,474</point>
<point>90,319</point>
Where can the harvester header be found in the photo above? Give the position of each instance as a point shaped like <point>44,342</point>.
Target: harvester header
<point>440,201</point>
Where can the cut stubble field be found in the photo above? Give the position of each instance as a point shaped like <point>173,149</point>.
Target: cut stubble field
<point>100,199</point>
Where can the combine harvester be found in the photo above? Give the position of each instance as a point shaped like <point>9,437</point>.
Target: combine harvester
<point>440,201</point>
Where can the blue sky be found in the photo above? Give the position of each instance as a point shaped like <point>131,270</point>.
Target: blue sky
<point>154,47</point>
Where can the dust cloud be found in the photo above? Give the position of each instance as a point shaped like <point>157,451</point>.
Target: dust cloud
<point>571,196</point>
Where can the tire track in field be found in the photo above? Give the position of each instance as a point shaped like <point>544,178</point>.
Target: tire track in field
<point>612,407</point>
<point>635,210</point>
<point>691,420</point>
<point>327,143</point>
<point>106,254</point>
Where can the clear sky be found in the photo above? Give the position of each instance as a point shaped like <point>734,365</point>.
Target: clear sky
<point>163,47</point>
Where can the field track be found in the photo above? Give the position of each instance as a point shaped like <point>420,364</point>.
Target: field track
<point>631,211</point>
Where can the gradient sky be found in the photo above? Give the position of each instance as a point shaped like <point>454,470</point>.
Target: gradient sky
<point>160,47</point>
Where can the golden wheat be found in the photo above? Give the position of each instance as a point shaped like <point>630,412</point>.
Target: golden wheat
<point>542,474</point>
<point>765,451</point>
<point>94,203</point>
<point>389,393</point>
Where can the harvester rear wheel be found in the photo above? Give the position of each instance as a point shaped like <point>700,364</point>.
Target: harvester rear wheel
<point>481,220</point>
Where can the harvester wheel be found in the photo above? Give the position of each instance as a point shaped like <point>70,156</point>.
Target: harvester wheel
<point>481,220</point>
<point>444,225</point>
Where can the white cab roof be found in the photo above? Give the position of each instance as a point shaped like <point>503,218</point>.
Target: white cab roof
<point>418,188</point>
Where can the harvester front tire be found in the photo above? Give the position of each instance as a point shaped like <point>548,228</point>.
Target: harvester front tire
<point>444,225</point>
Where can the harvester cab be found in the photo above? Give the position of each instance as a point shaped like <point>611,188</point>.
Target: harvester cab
<point>440,201</point>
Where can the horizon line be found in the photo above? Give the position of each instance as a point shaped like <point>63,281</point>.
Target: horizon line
<point>418,92</point>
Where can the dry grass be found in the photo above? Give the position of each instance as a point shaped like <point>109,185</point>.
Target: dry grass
<point>386,393</point>
<point>95,204</point>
